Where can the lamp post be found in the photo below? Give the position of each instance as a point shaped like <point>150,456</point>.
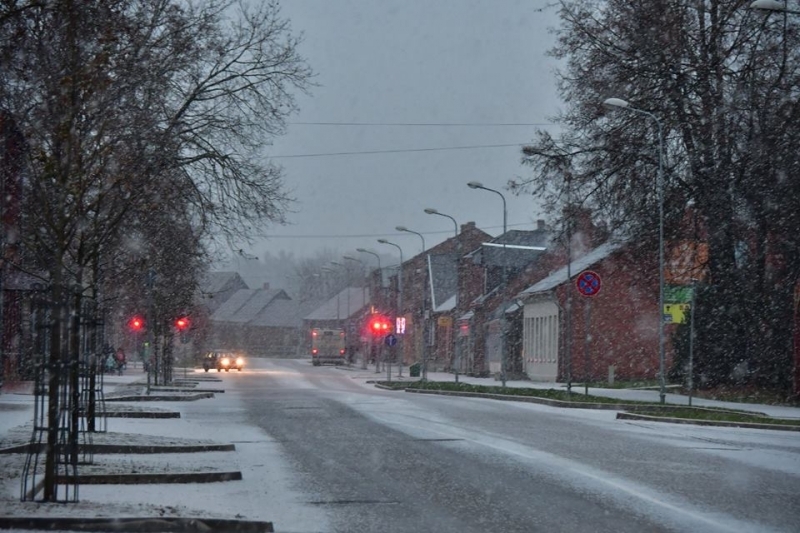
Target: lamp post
<point>432,211</point>
<point>363,297</point>
<point>399,299</point>
<point>479,185</point>
<point>622,104</point>
<point>347,324</point>
<point>381,294</point>
<point>424,305</point>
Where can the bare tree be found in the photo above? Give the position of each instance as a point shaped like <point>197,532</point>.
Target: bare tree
<point>132,108</point>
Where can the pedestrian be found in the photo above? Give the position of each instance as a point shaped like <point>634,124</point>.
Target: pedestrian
<point>120,359</point>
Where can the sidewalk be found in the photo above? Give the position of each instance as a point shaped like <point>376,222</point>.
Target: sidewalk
<point>777,411</point>
<point>154,451</point>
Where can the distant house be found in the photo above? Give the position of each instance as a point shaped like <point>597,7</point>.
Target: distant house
<point>346,310</point>
<point>232,324</point>
<point>490,276</point>
<point>217,287</point>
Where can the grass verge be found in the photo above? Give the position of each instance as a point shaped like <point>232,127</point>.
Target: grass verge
<point>647,408</point>
<point>690,413</point>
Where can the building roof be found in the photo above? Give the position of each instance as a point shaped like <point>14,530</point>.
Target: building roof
<point>443,275</point>
<point>215,282</point>
<point>245,304</point>
<point>348,302</point>
<point>515,255</point>
<point>559,277</point>
<point>283,314</point>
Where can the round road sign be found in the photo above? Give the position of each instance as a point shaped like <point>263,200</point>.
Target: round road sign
<point>588,283</point>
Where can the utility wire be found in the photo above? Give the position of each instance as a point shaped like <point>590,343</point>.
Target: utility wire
<point>424,124</point>
<point>371,235</point>
<point>398,151</point>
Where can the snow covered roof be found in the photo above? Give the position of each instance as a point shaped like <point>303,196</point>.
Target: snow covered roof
<point>283,314</point>
<point>245,304</point>
<point>443,275</point>
<point>215,282</point>
<point>344,305</point>
<point>560,276</point>
<point>448,305</point>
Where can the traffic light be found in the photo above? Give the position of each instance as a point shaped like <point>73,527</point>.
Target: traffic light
<point>182,325</point>
<point>379,325</point>
<point>136,324</point>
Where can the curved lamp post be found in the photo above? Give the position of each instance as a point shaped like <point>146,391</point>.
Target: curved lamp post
<point>479,185</point>
<point>363,299</point>
<point>424,305</point>
<point>432,211</point>
<point>399,302</point>
<point>622,104</point>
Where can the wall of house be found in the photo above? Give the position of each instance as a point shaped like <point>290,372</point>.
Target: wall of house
<point>622,322</point>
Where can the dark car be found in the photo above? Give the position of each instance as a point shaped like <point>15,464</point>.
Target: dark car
<point>210,361</point>
<point>223,360</point>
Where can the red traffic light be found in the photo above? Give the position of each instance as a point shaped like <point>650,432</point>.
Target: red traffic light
<point>379,325</point>
<point>182,323</point>
<point>136,323</point>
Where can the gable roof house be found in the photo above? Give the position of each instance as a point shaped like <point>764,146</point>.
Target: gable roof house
<point>490,277</point>
<point>236,323</point>
<point>621,320</point>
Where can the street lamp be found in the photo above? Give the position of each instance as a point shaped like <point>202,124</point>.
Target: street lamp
<point>479,185</point>
<point>773,5</point>
<point>380,271</point>
<point>622,104</point>
<point>432,211</point>
<point>363,299</point>
<point>403,228</point>
<point>399,296</point>
<point>424,305</point>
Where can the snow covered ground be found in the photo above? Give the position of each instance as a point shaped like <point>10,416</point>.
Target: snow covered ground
<point>264,494</point>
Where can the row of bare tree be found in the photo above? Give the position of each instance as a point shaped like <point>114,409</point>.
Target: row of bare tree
<point>144,123</point>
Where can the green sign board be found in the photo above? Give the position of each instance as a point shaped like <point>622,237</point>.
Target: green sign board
<point>678,294</point>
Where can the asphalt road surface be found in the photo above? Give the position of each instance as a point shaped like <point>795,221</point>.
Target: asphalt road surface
<point>378,461</point>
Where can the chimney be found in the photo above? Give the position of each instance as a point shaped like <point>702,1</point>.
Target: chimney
<point>467,226</point>
<point>540,225</point>
<point>266,285</point>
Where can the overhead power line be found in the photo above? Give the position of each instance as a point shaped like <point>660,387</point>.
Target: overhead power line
<point>399,151</point>
<point>376,235</point>
<point>425,124</point>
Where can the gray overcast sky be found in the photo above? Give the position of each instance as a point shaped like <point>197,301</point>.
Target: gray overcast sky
<point>411,61</point>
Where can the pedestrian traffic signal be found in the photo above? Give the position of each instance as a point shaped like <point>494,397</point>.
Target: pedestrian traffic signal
<point>136,324</point>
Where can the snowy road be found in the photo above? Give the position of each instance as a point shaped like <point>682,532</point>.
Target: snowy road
<point>373,460</point>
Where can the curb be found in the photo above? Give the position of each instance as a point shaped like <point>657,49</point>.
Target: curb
<point>133,525</point>
<point>184,389</point>
<point>718,423</point>
<point>141,414</point>
<point>141,479</point>
<point>132,448</point>
<point>161,398</point>
<point>528,399</point>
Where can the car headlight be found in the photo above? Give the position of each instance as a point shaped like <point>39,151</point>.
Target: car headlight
<point>225,361</point>
<point>239,361</point>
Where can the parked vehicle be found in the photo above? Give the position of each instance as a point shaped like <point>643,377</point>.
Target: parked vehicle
<point>328,346</point>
